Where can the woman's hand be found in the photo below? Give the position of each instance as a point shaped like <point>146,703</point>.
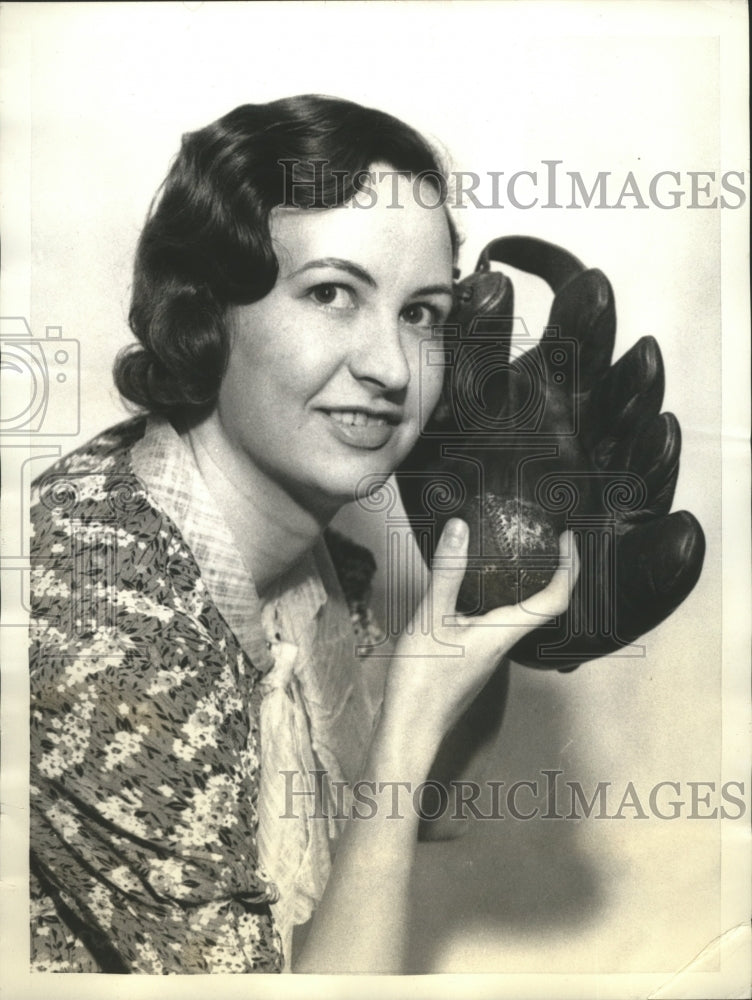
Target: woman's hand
<point>443,660</point>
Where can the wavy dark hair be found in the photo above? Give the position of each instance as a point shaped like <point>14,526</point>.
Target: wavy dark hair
<point>206,243</point>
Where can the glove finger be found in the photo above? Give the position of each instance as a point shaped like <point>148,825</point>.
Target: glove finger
<point>575,350</point>
<point>583,312</point>
<point>572,355</point>
<point>653,455</point>
<point>655,566</point>
<point>626,398</point>
<point>475,377</point>
<point>628,589</point>
<point>553,263</point>
<point>658,564</point>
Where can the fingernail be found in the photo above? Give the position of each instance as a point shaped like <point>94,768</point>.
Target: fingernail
<point>455,533</point>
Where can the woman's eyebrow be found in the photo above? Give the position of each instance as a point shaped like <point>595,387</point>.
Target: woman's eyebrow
<point>359,272</point>
<point>343,265</point>
<point>434,290</point>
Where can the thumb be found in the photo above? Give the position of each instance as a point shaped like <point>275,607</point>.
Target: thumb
<point>447,570</point>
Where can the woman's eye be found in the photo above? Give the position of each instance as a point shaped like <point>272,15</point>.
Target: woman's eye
<point>333,296</point>
<point>419,315</point>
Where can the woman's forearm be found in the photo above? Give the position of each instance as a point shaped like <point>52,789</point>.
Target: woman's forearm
<point>361,922</point>
<point>433,679</point>
<point>463,759</point>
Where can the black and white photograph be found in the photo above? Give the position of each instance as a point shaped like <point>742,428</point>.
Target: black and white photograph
<point>375,511</point>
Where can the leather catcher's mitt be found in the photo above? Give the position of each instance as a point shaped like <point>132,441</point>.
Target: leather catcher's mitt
<point>560,426</point>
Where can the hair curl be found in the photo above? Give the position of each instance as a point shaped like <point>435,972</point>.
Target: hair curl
<point>206,243</point>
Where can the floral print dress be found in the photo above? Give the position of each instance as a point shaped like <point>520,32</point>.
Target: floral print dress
<point>145,739</point>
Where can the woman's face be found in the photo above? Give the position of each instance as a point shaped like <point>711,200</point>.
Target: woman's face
<point>323,386</point>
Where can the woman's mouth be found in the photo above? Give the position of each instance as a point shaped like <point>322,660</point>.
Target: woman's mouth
<point>359,428</point>
<point>356,418</point>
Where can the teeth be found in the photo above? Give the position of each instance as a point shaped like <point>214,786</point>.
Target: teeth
<point>356,418</point>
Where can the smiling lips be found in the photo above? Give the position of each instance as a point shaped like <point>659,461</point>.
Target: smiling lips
<point>360,428</point>
<point>357,418</point>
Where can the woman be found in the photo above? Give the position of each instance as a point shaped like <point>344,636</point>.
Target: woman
<point>197,710</point>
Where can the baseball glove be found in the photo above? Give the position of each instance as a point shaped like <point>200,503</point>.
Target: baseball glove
<point>559,430</point>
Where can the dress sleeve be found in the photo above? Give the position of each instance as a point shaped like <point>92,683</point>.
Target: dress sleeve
<point>144,767</point>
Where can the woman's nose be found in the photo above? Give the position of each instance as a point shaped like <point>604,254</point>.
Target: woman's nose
<point>379,355</point>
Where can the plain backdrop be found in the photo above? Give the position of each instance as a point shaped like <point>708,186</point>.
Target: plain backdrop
<point>100,95</point>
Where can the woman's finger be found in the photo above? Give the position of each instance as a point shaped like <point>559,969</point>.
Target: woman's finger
<point>447,571</point>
